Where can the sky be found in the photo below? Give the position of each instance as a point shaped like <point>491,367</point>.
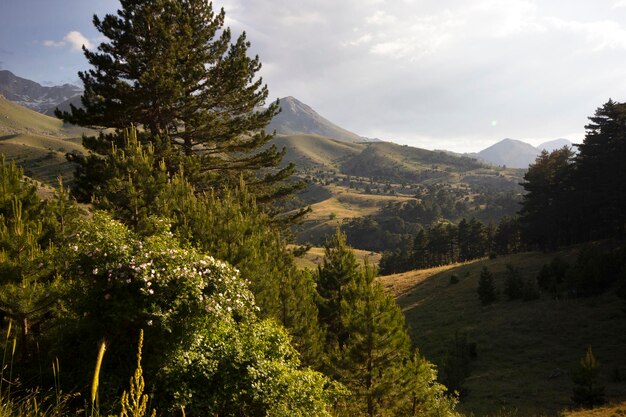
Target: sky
<point>438,74</point>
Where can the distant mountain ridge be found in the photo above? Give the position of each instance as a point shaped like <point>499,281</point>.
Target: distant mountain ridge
<point>516,153</point>
<point>33,95</point>
<point>297,118</point>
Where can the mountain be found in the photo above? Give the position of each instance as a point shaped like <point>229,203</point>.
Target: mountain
<point>555,144</point>
<point>516,153</point>
<point>65,105</point>
<point>298,118</point>
<point>33,95</point>
<point>510,152</point>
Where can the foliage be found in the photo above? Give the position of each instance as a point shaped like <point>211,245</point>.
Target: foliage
<point>368,348</point>
<point>587,392</point>
<point>552,276</point>
<point>196,311</point>
<point>169,67</point>
<point>513,283</point>
<point>29,227</point>
<point>595,270</point>
<point>457,365</point>
<point>230,225</point>
<point>486,287</point>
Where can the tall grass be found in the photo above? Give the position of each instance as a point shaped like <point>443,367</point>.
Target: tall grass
<point>96,379</point>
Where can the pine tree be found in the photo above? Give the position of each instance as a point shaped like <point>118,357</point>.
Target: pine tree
<point>337,272</point>
<point>586,391</point>
<point>372,361</point>
<point>169,67</point>
<point>368,348</point>
<point>28,288</point>
<point>486,287</point>
<point>546,206</point>
<point>599,175</point>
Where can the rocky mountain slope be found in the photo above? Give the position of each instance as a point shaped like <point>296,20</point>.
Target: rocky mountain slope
<point>33,95</point>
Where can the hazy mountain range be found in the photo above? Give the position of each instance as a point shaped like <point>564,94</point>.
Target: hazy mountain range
<point>295,118</point>
<point>516,153</point>
<point>34,95</point>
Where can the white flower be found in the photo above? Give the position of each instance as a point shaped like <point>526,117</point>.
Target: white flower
<point>95,271</point>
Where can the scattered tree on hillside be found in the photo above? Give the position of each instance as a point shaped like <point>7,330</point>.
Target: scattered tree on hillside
<point>587,392</point>
<point>486,287</point>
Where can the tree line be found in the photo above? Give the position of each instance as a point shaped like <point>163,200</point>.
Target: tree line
<point>579,197</point>
<point>445,242</point>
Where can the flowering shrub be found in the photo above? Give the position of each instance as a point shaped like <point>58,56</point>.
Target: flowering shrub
<point>204,347</point>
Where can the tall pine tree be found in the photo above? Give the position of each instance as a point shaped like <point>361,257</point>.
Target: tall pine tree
<point>170,68</point>
<point>368,348</point>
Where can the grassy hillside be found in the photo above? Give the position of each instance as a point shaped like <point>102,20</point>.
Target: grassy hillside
<point>525,349</point>
<point>316,152</point>
<point>315,256</point>
<point>38,142</point>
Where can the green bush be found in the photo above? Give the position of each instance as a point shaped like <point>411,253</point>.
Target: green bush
<point>205,349</point>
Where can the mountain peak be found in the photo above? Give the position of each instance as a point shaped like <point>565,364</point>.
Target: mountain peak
<point>297,117</point>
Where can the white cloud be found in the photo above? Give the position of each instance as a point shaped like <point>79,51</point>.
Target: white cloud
<point>53,44</point>
<point>381,18</point>
<point>74,39</point>
<point>366,38</point>
<point>77,40</point>
<point>600,35</point>
<point>438,73</point>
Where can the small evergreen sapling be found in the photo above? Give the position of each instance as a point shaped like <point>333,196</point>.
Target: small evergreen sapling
<point>587,392</point>
<point>486,287</point>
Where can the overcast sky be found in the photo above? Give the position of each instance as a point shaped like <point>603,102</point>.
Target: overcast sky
<point>438,74</point>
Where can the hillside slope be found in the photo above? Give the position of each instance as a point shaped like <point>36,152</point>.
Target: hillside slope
<point>524,349</point>
<point>38,142</point>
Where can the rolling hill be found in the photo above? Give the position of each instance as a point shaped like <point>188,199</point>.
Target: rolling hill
<point>525,350</point>
<point>37,142</point>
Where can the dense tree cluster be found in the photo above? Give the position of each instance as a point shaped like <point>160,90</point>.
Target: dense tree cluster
<point>579,197</point>
<point>445,243</point>
<point>398,222</point>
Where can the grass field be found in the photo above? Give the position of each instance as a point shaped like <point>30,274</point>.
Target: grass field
<point>38,143</point>
<point>521,345</point>
<point>315,256</point>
